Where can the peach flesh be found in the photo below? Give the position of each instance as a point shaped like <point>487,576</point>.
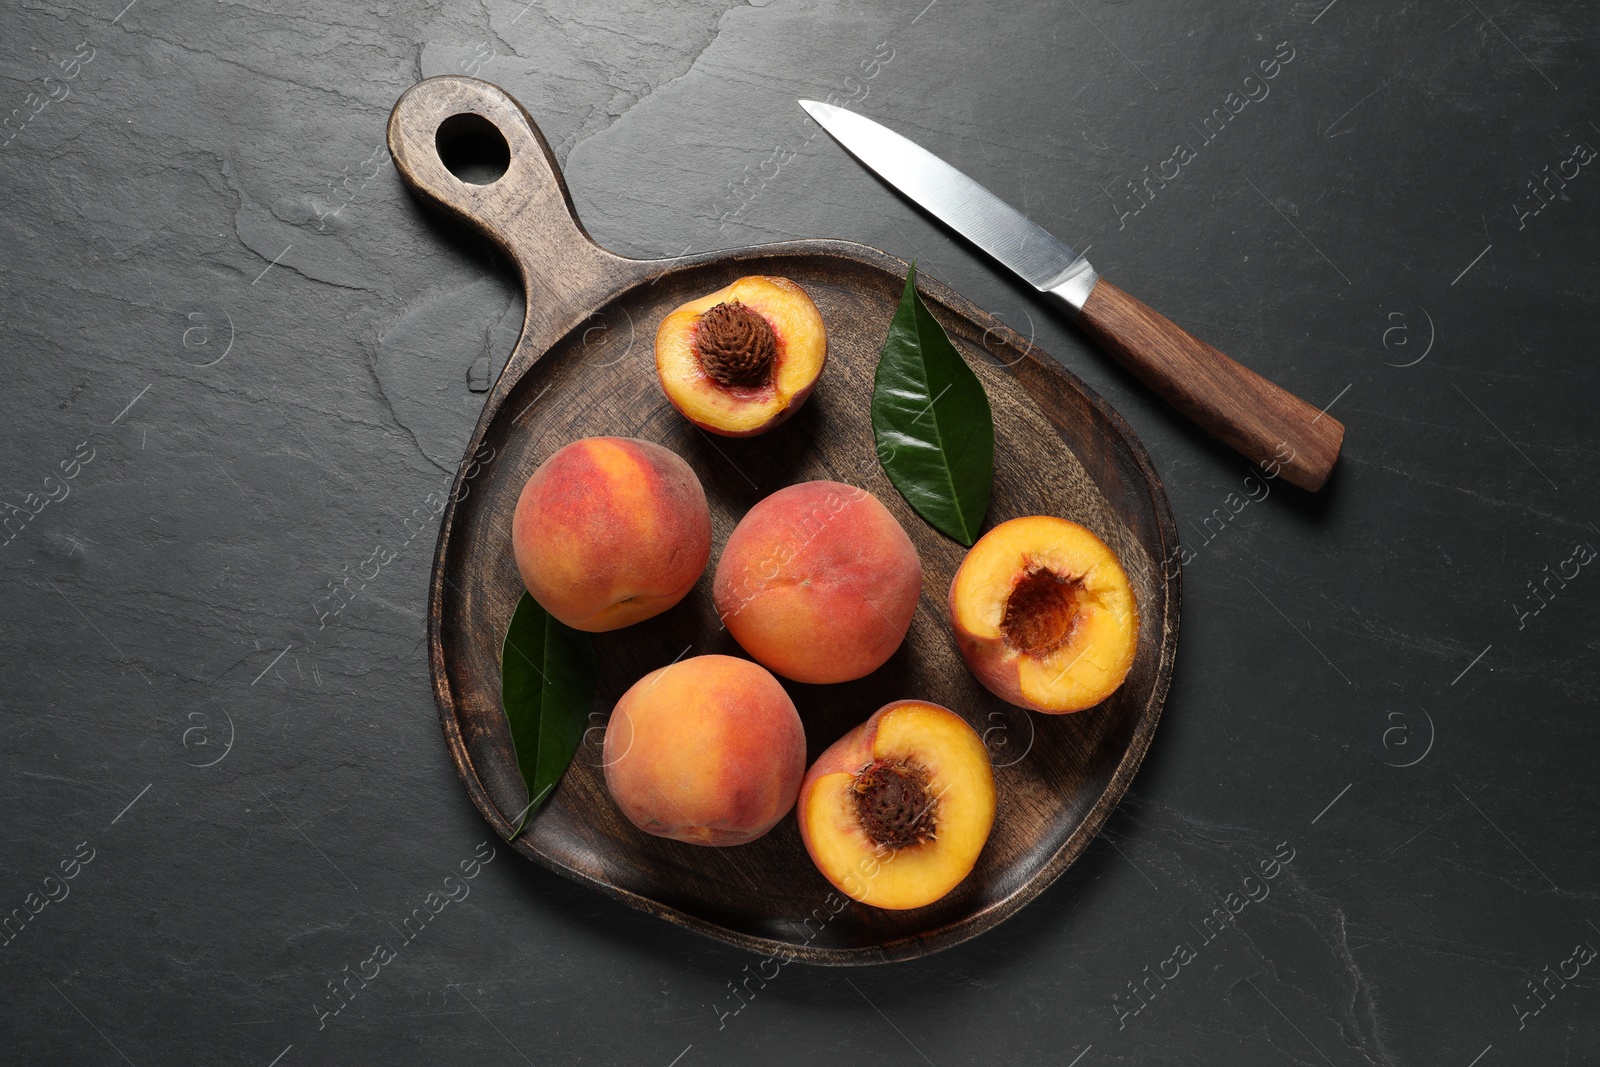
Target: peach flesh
<point>741,360</point>
<point>896,812</point>
<point>1044,615</point>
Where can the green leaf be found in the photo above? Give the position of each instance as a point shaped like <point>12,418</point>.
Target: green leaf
<point>931,421</point>
<point>547,685</point>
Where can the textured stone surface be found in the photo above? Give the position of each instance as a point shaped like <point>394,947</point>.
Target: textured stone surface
<point>215,286</point>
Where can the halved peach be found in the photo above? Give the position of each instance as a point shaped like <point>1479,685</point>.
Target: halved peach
<point>896,811</point>
<point>1044,615</point>
<point>743,359</point>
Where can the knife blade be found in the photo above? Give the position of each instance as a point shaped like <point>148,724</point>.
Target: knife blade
<point>1263,422</point>
<point>993,225</point>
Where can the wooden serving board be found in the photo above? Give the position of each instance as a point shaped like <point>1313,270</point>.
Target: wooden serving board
<point>584,366</point>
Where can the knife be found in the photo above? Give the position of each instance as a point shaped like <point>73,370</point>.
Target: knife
<point>1263,422</point>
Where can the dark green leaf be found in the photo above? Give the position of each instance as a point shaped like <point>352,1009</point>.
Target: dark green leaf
<point>547,684</point>
<point>931,421</point>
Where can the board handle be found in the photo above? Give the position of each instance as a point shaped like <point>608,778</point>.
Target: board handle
<point>527,210</point>
<point>1263,422</point>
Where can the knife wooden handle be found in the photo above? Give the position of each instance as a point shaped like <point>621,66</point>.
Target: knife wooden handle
<point>1264,423</point>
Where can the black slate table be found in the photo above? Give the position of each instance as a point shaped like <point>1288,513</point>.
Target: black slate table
<point>241,361</point>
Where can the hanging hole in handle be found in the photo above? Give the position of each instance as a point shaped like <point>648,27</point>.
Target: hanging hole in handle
<point>473,149</point>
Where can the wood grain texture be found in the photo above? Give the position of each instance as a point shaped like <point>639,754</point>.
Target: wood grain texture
<point>1261,421</point>
<point>585,366</point>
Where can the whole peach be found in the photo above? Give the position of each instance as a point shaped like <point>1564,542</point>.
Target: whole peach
<point>708,750</point>
<point>819,582</point>
<point>610,531</point>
